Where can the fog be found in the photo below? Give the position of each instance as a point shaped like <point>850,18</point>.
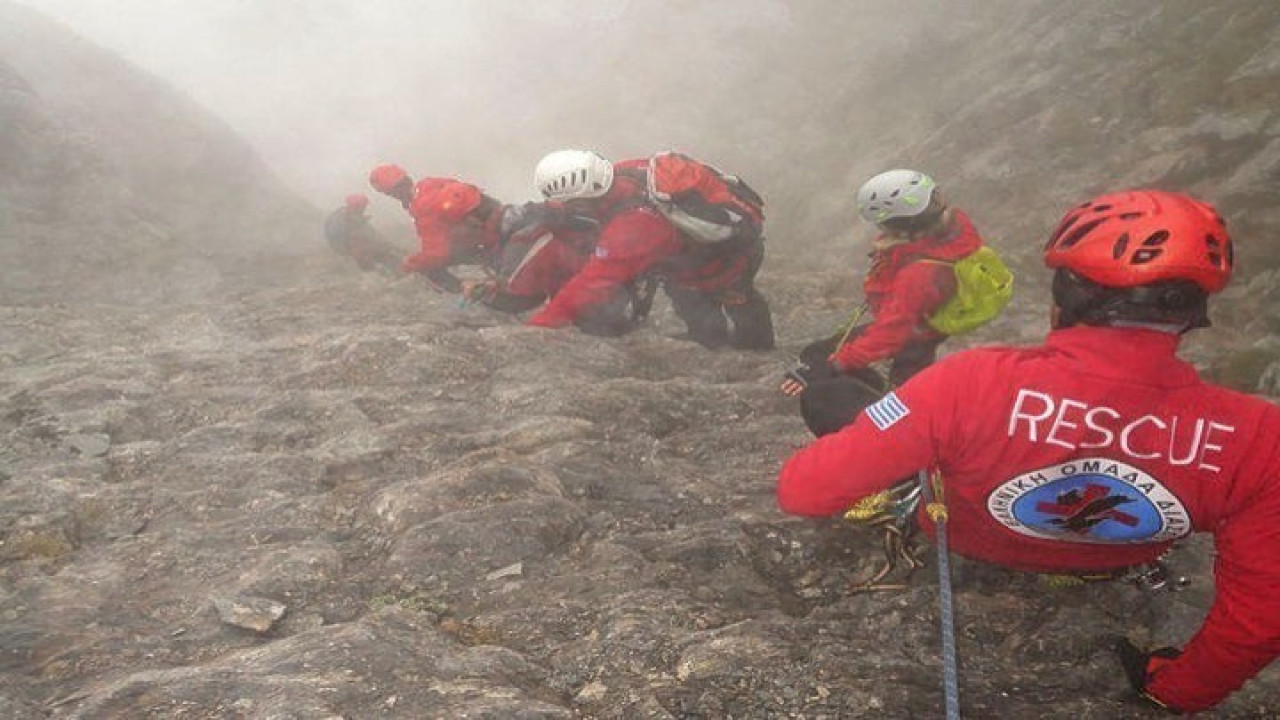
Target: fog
<point>436,511</point>
<point>1018,107</point>
<point>481,89</point>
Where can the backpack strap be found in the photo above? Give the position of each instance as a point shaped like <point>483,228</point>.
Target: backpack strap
<point>640,199</point>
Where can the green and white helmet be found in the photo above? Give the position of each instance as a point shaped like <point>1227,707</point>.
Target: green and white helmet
<point>569,174</point>
<point>895,194</point>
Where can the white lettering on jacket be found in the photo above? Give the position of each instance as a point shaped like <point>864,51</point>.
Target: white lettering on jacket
<point>1041,418</point>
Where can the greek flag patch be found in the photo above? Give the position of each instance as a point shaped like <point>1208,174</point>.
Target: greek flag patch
<point>887,411</point>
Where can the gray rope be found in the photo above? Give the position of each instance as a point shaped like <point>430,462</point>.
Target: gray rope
<point>950,676</point>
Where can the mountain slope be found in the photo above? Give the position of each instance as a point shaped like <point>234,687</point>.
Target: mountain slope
<point>294,490</point>
<point>118,188</point>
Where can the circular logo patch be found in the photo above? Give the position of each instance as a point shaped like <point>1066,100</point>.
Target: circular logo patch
<point>1092,500</point>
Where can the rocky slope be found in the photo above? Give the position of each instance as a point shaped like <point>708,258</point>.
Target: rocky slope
<point>295,491</point>
<point>117,188</point>
<point>349,500</point>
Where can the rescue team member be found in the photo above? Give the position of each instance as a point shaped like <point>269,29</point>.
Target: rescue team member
<point>541,246</point>
<point>348,232</point>
<point>708,287</point>
<point>1099,449</point>
<point>915,224</point>
<point>530,250</point>
<point>456,223</point>
<point>394,182</point>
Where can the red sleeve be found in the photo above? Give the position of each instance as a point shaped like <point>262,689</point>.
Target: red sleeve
<point>1241,634</point>
<point>889,441</point>
<point>433,252</point>
<point>629,245</point>
<point>918,291</point>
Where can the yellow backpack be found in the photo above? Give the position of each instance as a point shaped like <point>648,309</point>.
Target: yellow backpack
<point>984,285</point>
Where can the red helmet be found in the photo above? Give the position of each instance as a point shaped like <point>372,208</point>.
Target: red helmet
<point>448,200</point>
<point>356,202</point>
<point>385,177</point>
<point>1134,238</point>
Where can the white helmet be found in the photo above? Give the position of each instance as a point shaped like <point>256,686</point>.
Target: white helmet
<point>569,174</point>
<point>895,194</point>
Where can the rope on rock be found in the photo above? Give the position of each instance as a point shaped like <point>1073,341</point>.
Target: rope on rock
<point>893,511</point>
<point>936,507</point>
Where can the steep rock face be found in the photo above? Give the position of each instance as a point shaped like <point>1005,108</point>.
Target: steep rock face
<point>1179,96</point>
<point>1020,107</point>
<point>118,188</point>
<point>331,497</point>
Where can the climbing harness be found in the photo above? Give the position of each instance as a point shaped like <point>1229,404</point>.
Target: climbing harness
<point>891,511</point>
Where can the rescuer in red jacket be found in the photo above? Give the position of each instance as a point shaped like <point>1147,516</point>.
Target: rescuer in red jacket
<point>903,288</point>
<point>1097,450</point>
<point>709,287</point>
<point>456,223</point>
<point>542,246</point>
<point>528,250</point>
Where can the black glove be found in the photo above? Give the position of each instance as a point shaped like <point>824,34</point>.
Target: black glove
<point>1139,666</point>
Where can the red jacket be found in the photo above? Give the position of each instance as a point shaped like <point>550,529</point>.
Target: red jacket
<point>446,241</point>
<point>443,243</point>
<point>630,245</point>
<point>635,240</point>
<point>549,263</point>
<point>1095,451</point>
<point>902,293</point>
<point>544,245</point>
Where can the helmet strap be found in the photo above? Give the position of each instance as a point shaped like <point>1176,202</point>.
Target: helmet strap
<point>908,229</point>
<point>1176,305</point>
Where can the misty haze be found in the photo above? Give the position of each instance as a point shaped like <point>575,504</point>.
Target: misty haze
<point>243,476</point>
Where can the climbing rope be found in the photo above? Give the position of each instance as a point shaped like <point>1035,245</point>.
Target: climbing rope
<point>846,329</point>
<point>893,511</point>
<point>936,508</point>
